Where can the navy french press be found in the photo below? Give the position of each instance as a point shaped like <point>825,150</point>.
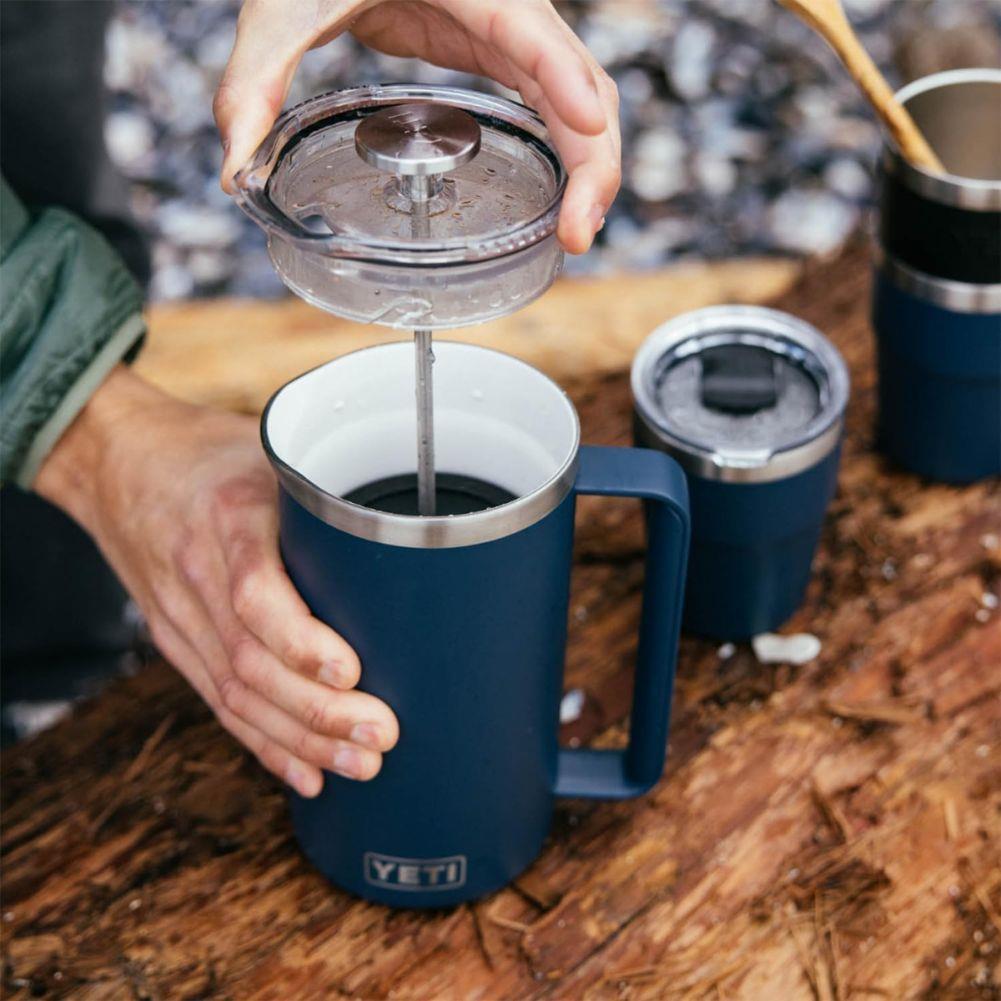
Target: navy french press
<point>461,621</point>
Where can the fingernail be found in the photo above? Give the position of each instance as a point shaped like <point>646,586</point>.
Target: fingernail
<point>367,734</point>
<point>333,673</point>
<point>297,777</point>
<point>596,217</point>
<point>347,762</point>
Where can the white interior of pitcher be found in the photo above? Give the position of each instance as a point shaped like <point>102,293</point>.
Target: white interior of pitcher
<point>353,421</point>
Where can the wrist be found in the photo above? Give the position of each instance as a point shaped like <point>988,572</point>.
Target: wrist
<point>71,474</point>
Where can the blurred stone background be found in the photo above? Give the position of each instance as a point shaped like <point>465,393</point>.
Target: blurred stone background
<point>741,134</point>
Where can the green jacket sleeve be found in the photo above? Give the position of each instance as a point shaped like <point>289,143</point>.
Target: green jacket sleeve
<point>69,312</point>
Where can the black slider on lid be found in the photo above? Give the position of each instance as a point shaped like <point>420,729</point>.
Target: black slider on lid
<point>739,379</point>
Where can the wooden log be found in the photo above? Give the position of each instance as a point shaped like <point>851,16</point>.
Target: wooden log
<point>237,353</point>
<point>823,831</point>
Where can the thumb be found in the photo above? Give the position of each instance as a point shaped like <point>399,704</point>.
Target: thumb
<point>253,88</point>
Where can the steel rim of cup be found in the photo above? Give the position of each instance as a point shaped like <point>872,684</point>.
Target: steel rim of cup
<point>819,437</point>
<point>438,532</point>
<point>975,194</point>
<point>958,297</point>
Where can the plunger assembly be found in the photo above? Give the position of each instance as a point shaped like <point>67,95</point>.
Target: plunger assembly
<point>419,144</point>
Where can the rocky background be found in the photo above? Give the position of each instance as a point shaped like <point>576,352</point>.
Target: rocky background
<point>741,133</point>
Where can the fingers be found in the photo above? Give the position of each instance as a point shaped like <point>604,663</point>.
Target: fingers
<point>265,600</point>
<point>305,778</point>
<point>298,683</point>
<point>271,37</point>
<point>592,156</point>
<point>355,716</point>
<point>594,167</point>
<point>343,732</point>
<point>534,39</point>
<point>590,191</point>
<point>267,603</point>
<point>251,92</point>
<point>292,720</point>
<point>293,742</point>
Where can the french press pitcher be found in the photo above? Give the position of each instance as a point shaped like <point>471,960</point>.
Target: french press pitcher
<point>459,616</point>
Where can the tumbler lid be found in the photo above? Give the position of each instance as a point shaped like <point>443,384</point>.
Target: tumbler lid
<point>398,178</point>
<point>740,393</point>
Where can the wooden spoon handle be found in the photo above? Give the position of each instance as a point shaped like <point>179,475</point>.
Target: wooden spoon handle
<point>895,116</point>
<point>827,18</point>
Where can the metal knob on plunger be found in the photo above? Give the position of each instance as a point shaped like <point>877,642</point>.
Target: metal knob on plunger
<point>417,140</point>
<point>418,144</point>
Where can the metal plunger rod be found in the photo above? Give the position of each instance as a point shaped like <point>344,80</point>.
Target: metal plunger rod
<point>420,143</point>
<point>419,189</point>
<point>424,359</point>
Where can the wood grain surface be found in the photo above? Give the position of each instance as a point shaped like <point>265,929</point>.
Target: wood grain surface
<point>828,831</point>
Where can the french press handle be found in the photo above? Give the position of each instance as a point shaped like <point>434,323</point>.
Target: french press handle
<point>657,479</point>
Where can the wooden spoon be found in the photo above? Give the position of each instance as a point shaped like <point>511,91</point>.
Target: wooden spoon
<point>828,19</point>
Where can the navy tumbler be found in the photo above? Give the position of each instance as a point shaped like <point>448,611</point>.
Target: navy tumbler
<point>751,402</point>
<point>461,621</point>
<point>937,291</point>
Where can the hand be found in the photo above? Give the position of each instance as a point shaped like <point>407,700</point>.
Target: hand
<point>522,44</point>
<point>182,503</point>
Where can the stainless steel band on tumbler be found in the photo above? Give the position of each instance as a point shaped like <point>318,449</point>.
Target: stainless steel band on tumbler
<point>960,297</point>
<point>757,327</point>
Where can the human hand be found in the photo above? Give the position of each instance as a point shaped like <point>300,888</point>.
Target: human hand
<point>182,503</point>
<point>522,44</point>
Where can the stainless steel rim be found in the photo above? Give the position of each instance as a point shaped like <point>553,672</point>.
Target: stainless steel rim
<point>781,464</point>
<point>949,189</point>
<point>762,466</point>
<point>443,532</point>
<point>959,297</point>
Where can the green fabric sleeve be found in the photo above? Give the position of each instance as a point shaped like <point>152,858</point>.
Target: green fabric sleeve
<point>69,312</point>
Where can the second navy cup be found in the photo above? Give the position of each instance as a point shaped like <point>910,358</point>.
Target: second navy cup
<point>937,292</point>
<point>460,620</point>
<point>751,402</point>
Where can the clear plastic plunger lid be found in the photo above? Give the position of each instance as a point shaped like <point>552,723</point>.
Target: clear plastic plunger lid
<point>430,207</point>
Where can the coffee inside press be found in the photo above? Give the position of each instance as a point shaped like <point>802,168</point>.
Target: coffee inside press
<point>454,494</point>
<point>419,144</point>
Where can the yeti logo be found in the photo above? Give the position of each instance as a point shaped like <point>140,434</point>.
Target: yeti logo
<point>395,873</point>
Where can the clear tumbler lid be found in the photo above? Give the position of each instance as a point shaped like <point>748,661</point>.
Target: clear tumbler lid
<point>741,392</point>
<point>337,177</point>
